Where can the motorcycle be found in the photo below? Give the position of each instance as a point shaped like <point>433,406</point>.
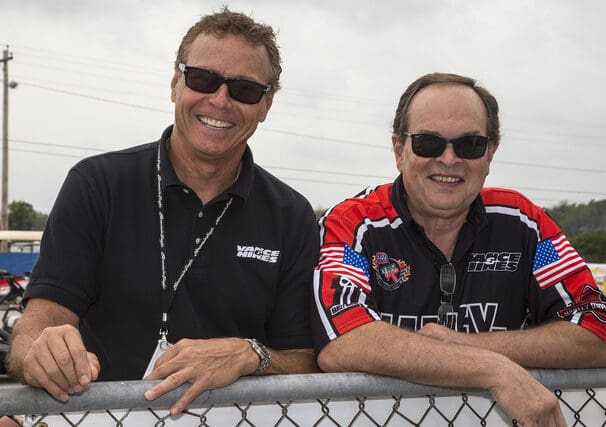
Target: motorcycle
<point>12,289</point>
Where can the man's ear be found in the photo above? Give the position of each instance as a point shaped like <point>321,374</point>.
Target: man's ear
<point>268,99</point>
<point>396,145</point>
<point>492,148</point>
<point>173,86</point>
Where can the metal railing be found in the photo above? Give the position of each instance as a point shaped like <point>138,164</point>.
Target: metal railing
<point>308,400</point>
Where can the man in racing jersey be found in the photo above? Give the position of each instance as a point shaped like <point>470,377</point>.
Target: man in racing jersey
<point>485,278</point>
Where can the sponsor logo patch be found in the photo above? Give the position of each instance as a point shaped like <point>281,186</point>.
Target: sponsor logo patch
<point>591,301</point>
<point>255,252</point>
<point>494,261</point>
<point>391,272</point>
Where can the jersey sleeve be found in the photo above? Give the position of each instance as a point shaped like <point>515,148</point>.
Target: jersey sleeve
<point>564,288</point>
<point>342,290</point>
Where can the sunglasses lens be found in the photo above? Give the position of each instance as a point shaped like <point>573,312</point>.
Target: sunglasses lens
<point>427,145</point>
<point>448,279</point>
<point>465,147</point>
<point>246,91</point>
<point>205,81</point>
<point>470,146</point>
<point>443,314</point>
<point>202,80</point>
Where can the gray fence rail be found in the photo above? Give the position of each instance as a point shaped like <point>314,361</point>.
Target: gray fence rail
<point>290,389</point>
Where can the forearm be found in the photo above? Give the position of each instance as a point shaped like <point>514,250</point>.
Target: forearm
<point>554,345</point>
<point>299,361</point>
<point>383,349</point>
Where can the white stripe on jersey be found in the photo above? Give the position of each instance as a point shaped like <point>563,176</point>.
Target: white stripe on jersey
<point>531,223</point>
<point>363,194</point>
<point>384,222</point>
<point>320,308</point>
<point>576,319</point>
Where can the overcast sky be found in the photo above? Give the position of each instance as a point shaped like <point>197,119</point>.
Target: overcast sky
<point>95,76</point>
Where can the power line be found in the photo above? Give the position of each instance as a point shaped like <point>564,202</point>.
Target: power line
<point>89,73</point>
<point>93,60</point>
<point>96,98</point>
<point>324,138</point>
<point>536,165</point>
<point>320,181</point>
<point>46,153</point>
<point>47,144</point>
<point>99,88</point>
<point>100,64</point>
<point>532,165</point>
<point>327,172</point>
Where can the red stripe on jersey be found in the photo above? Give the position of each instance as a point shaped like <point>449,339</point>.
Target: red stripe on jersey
<point>346,216</point>
<point>351,319</point>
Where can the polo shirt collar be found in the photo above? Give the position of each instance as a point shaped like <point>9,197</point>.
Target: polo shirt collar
<point>241,188</point>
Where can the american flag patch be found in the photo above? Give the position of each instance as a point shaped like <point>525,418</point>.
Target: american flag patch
<point>343,260</point>
<point>554,260</point>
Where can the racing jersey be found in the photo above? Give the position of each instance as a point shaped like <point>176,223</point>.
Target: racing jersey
<point>514,268</point>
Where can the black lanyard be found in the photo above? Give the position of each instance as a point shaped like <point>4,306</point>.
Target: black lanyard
<point>168,293</point>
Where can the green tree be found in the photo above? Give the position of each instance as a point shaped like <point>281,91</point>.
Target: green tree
<point>574,219</point>
<point>591,245</point>
<point>22,216</point>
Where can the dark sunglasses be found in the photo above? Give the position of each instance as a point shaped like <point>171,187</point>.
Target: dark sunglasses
<point>206,81</point>
<point>448,283</point>
<point>465,147</point>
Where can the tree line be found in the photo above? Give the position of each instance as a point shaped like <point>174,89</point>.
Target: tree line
<point>584,224</point>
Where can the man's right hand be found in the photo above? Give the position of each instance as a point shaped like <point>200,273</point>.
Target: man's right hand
<point>524,398</point>
<point>47,350</point>
<point>58,362</point>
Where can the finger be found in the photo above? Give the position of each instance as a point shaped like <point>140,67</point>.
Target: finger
<point>94,365</point>
<point>190,394</point>
<point>168,355</point>
<point>37,376</point>
<point>165,365</point>
<point>171,382</point>
<point>42,365</point>
<point>79,358</point>
<point>63,360</point>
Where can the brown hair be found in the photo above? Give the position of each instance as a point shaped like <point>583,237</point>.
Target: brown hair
<point>400,122</point>
<point>226,21</point>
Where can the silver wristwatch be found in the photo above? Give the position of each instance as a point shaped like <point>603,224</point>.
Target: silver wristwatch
<point>263,354</point>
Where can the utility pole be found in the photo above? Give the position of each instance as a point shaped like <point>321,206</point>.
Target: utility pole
<point>4,214</point>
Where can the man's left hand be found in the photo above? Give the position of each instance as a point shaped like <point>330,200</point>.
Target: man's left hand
<point>206,364</point>
<point>439,332</point>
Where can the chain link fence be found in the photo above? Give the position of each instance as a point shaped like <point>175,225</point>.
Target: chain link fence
<point>349,399</point>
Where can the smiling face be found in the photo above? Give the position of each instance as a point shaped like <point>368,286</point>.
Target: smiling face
<point>214,127</point>
<point>443,187</point>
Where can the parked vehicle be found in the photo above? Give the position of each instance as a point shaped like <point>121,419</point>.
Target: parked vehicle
<point>11,293</point>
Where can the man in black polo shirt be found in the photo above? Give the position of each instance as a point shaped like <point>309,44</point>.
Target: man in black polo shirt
<point>153,255</point>
<point>485,276</point>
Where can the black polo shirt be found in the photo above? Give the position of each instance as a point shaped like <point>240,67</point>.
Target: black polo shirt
<point>100,257</point>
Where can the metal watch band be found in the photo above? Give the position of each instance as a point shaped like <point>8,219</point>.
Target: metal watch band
<point>263,354</point>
